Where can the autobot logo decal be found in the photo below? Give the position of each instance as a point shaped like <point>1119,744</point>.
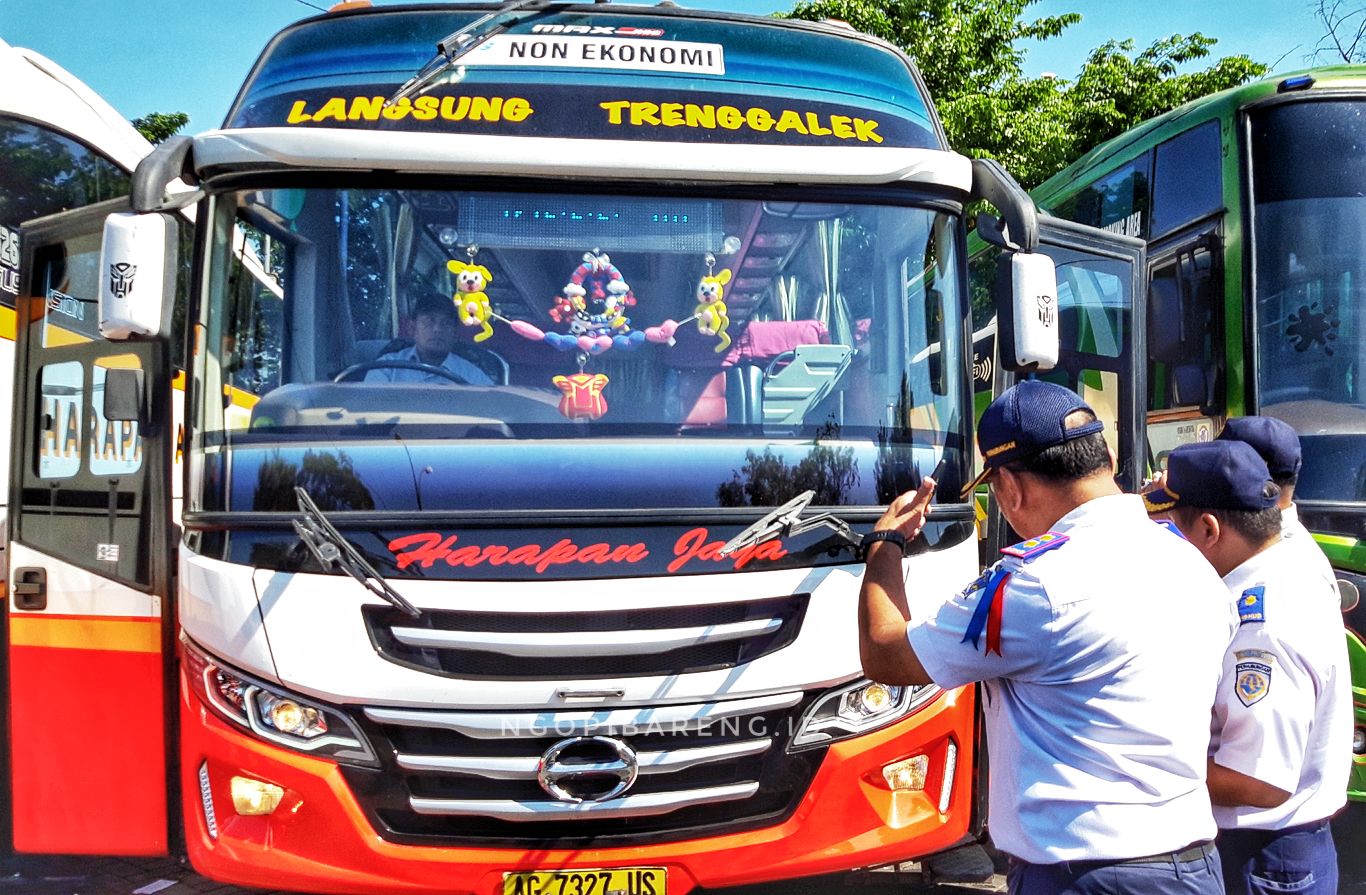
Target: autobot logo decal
<point>121,276</point>
<point>696,545</point>
<point>1046,311</point>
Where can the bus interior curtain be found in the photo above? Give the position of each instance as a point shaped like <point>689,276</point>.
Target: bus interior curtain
<point>831,308</point>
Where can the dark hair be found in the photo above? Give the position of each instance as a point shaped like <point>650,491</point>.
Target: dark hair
<point>1257,526</point>
<point>1076,459</point>
<point>1285,481</point>
<point>434,304</point>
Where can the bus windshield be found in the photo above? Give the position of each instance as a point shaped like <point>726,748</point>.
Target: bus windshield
<point>1309,257</point>
<point>441,349</point>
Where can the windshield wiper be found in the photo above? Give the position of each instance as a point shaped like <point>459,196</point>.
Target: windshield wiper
<point>330,548</point>
<point>459,43</point>
<point>786,522</point>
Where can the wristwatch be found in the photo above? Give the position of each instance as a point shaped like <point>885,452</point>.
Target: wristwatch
<point>873,537</point>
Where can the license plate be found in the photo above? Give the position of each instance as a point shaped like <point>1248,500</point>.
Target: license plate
<point>614,881</point>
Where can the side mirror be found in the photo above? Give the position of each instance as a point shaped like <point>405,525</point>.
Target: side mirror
<point>124,395</point>
<point>1027,311</point>
<point>137,275</point>
<point>1348,595</point>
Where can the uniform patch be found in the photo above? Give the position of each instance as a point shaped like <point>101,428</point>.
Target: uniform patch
<point>979,583</point>
<point>1034,546</point>
<point>1251,681</point>
<point>1251,606</point>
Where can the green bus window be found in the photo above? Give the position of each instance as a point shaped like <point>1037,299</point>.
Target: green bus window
<point>1117,202</point>
<point>1186,179</point>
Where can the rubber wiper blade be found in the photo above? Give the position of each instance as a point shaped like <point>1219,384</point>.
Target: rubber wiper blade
<point>331,549</point>
<point>453,46</point>
<point>786,521</point>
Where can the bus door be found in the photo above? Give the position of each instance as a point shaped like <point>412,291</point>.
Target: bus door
<point>89,621</point>
<point>1100,299</point>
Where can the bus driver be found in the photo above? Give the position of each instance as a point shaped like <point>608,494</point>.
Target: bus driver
<point>434,328</point>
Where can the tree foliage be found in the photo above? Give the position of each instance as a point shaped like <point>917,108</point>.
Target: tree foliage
<point>157,126</point>
<point>971,55</point>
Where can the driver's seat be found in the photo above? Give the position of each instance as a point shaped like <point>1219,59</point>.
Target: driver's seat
<point>490,362</point>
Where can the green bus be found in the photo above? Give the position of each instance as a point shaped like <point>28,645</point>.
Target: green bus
<point>1257,288</point>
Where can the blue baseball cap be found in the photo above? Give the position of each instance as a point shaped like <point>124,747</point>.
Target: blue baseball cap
<point>1027,418</point>
<point>1274,439</point>
<point>1215,475</point>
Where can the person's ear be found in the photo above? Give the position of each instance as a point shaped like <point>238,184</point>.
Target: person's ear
<point>1205,531</point>
<point>1006,488</point>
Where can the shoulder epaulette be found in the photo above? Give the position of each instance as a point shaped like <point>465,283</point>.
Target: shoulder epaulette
<point>1033,547</point>
<point>1252,605</point>
<point>1170,526</point>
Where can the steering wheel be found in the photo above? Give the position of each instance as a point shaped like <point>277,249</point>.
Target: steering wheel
<point>355,371</point>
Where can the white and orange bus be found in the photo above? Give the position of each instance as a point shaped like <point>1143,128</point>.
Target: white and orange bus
<point>574,614</point>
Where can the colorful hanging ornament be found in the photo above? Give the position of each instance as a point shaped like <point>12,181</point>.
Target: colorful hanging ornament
<point>712,319</point>
<point>582,395</point>
<point>592,307</point>
<point>471,302</point>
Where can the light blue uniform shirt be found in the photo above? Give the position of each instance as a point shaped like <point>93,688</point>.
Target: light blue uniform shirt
<point>1284,710</point>
<point>1098,705</point>
<point>1302,542</point>
<point>466,371</point>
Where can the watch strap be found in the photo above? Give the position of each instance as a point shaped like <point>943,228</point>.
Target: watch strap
<point>872,537</point>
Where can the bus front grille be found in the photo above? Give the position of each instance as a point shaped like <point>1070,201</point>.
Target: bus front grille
<point>481,778</point>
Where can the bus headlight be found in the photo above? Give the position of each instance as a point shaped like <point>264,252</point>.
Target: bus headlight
<point>855,709</point>
<point>1358,741</point>
<point>273,713</point>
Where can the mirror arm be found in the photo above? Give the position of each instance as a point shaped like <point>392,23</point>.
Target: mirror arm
<point>993,183</point>
<point>171,160</point>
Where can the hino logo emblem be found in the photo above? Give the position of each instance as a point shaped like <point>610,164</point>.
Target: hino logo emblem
<point>587,769</point>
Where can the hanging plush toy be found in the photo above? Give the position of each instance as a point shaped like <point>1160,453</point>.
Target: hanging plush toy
<point>712,319</point>
<point>471,302</point>
<point>710,313</point>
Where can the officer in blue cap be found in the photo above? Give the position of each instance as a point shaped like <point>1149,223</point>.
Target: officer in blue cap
<point>1282,734</point>
<point>1097,702</point>
<point>1279,445</point>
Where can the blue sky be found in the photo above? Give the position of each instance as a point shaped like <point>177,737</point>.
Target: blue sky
<point>191,55</point>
